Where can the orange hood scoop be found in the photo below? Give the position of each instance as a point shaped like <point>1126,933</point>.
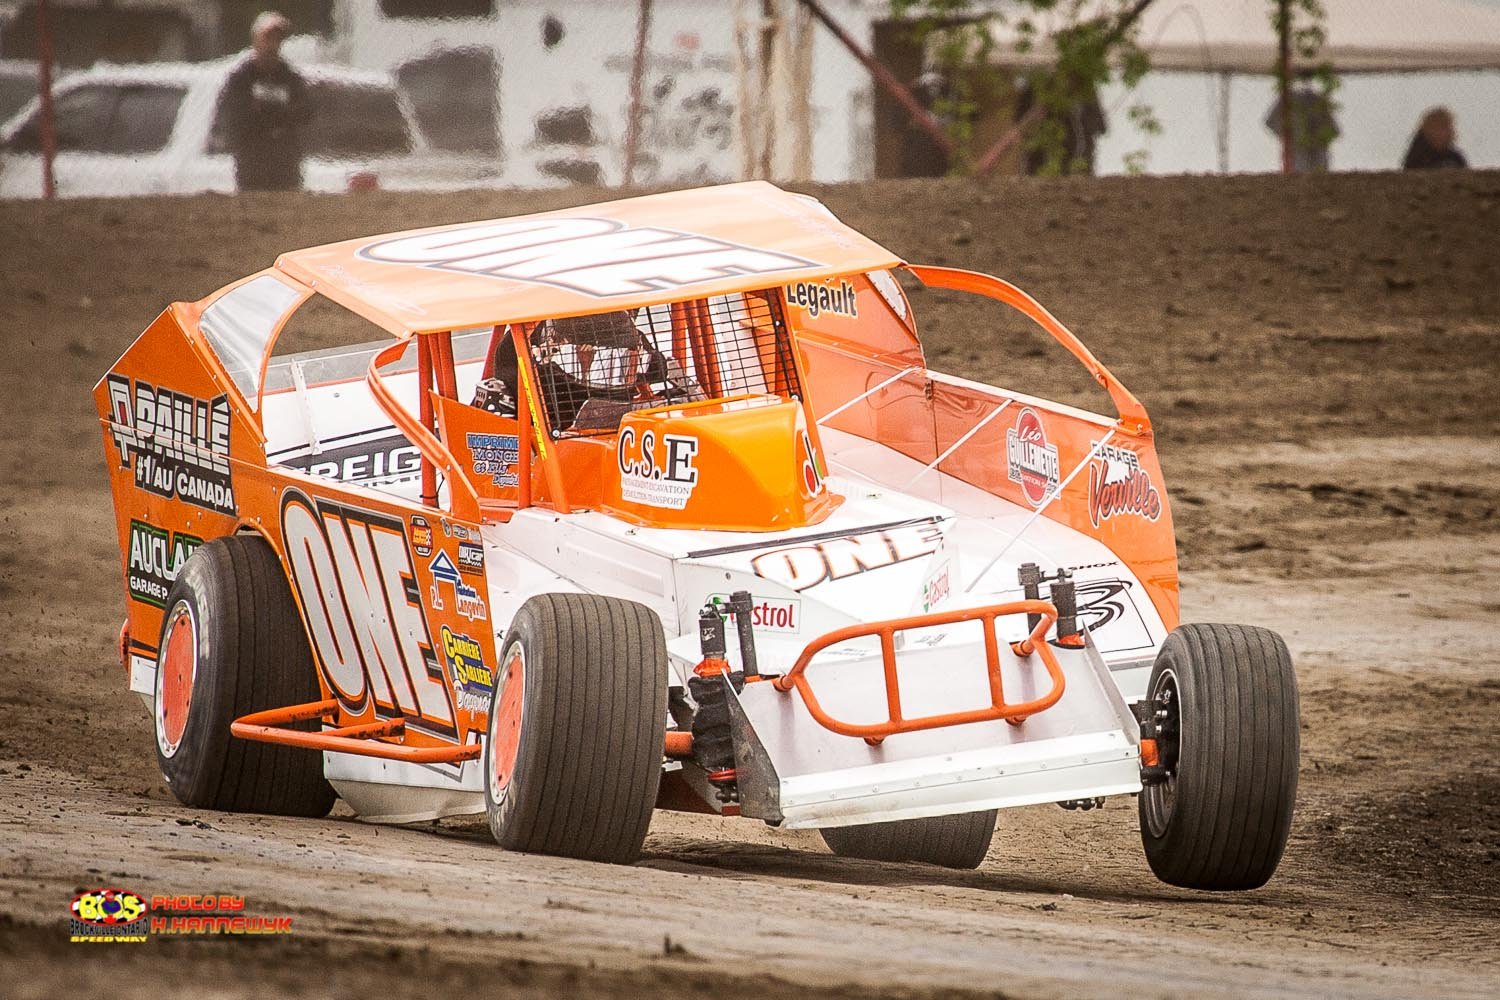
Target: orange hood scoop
<point>747,463</point>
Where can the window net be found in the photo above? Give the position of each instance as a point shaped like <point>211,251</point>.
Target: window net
<point>594,369</point>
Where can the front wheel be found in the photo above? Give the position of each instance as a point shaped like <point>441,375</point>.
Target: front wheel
<point>577,723</point>
<point>1225,704</point>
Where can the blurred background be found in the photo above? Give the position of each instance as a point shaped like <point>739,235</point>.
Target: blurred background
<point>123,97</point>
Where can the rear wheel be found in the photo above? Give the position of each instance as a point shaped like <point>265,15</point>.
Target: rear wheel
<point>1225,701</point>
<point>231,644</point>
<point>577,723</point>
<point>950,841</point>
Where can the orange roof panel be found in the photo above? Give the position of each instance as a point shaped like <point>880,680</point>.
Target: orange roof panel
<point>615,255</point>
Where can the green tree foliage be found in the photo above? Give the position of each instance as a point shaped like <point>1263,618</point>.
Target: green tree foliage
<point>1082,45</point>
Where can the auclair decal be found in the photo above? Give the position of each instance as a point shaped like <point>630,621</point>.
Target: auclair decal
<point>176,445</point>
<point>156,555</point>
<point>466,599</point>
<point>1119,487</point>
<point>354,575</point>
<point>596,257</point>
<point>815,298</point>
<point>804,566</point>
<point>1029,459</point>
<point>657,473</point>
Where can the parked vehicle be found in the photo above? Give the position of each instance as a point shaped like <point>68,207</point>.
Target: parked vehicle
<point>153,128</point>
<point>18,85</point>
<point>656,504</point>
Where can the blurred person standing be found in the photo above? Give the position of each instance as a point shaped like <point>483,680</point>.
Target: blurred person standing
<point>1313,127</point>
<point>1432,147</point>
<point>264,106</point>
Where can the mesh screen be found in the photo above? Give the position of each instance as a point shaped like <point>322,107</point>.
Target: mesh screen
<point>592,370</point>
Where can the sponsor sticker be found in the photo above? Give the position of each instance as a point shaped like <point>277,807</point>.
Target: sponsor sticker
<point>1119,487</point>
<point>1029,459</point>
<point>812,473</point>
<point>816,298</point>
<point>176,445</point>
<point>495,456</point>
<point>156,555</point>
<point>595,257</point>
<point>471,558</point>
<point>801,567</point>
<point>421,536</point>
<point>938,586</point>
<point>768,614</point>
<point>473,681</point>
<point>383,461</point>
<point>1107,610</point>
<point>657,473</point>
<point>466,599</point>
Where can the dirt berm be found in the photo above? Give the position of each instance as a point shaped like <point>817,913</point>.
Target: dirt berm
<point>1320,357</point>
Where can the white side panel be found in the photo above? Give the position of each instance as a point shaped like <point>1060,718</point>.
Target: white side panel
<point>392,791</point>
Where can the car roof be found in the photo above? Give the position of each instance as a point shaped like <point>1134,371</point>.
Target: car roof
<point>192,72</point>
<point>580,261</point>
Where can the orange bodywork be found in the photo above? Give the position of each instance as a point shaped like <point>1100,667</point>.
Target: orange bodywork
<point>186,443</point>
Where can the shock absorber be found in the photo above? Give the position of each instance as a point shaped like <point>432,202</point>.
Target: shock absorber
<point>1065,599</point>
<point>713,746</point>
<point>742,605</point>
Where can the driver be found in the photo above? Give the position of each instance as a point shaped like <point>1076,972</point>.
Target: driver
<point>577,359</point>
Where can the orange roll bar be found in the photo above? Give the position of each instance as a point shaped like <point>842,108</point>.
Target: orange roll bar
<point>465,500</point>
<point>530,399</point>
<point>270,727</point>
<point>1035,643</point>
<point>1133,418</point>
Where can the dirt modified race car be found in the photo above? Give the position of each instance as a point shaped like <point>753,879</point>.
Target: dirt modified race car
<point>656,504</point>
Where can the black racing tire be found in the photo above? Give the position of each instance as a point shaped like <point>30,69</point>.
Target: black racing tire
<point>573,750</point>
<point>959,841</point>
<point>233,643</point>
<point>1227,699</point>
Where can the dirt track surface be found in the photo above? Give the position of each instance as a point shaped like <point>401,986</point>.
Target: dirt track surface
<point>1320,357</point>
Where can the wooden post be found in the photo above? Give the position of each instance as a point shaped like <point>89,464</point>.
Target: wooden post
<point>885,79</point>
<point>48,132</point>
<point>1284,81</point>
<point>637,71</point>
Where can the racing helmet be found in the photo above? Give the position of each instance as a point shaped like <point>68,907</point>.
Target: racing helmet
<point>604,352</point>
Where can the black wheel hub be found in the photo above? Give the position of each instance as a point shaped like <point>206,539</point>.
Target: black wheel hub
<point>1160,796</point>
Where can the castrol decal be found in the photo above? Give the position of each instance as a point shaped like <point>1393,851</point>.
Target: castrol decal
<point>1029,459</point>
<point>768,614</point>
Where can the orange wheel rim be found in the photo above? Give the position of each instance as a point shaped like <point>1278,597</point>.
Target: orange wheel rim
<point>175,671</point>
<point>505,720</point>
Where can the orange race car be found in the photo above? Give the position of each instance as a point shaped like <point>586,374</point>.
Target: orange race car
<point>656,504</point>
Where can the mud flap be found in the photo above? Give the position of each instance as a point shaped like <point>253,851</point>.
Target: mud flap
<point>795,773</point>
